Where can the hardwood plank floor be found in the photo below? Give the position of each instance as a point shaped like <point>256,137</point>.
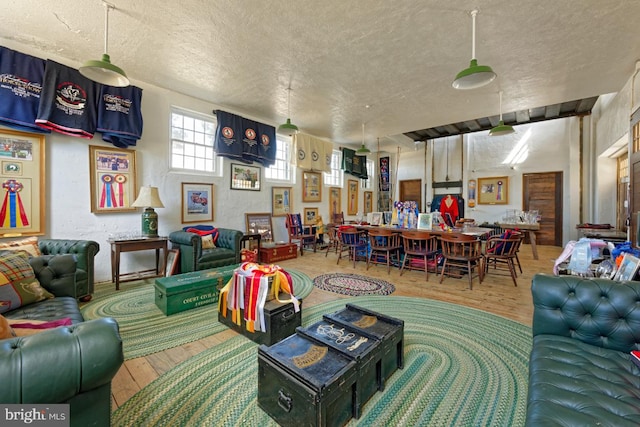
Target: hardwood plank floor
<point>496,294</point>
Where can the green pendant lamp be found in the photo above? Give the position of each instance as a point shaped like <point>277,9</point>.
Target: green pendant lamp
<point>363,149</point>
<point>501,128</point>
<point>102,70</point>
<point>288,128</point>
<point>476,75</point>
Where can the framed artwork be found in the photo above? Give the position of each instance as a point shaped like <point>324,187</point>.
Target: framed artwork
<point>310,216</point>
<point>197,202</point>
<point>335,201</point>
<point>172,262</point>
<point>493,191</point>
<point>352,197</point>
<point>311,187</point>
<point>628,268</point>
<point>471,187</point>
<point>112,177</point>
<point>260,223</point>
<point>425,221</point>
<point>368,202</point>
<point>376,218</point>
<point>245,177</point>
<point>23,185</point>
<point>281,201</point>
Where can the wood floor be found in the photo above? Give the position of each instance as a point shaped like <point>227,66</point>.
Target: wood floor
<point>496,294</point>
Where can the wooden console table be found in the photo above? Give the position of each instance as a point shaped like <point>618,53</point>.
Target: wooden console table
<point>137,244</point>
<point>531,228</point>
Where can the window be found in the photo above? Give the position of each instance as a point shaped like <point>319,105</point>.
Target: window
<point>282,169</point>
<point>335,178</point>
<point>367,184</point>
<point>192,136</point>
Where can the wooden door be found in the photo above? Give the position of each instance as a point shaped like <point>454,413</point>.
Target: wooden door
<point>634,161</point>
<point>411,190</point>
<point>543,192</point>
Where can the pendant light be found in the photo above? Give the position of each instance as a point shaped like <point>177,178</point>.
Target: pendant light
<point>103,71</point>
<point>476,75</point>
<point>501,129</point>
<point>288,128</point>
<point>363,149</point>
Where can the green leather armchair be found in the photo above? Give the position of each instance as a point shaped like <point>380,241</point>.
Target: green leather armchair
<point>193,257</point>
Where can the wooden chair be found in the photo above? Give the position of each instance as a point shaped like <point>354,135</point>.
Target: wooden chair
<point>332,233</point>
<point>353,242</point>
<point>419,248</point>
<point>384,244</point>
<point>299,234</point>
<point>501,253</point>
<point>338,218</point>
<point>463,253</point>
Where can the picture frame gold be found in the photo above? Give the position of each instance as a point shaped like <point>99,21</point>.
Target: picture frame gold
<point>310,216</point>
<point>352,197</point>
<point>197,202</point>
<point>23,183</point>
<point>260,223</point>
<point>368,202</point>
<point>281,201</point>
<point>311,187</point>
<point>493,191</point>
<point>245,177</point>
<point>335,201</point>
<point>112,177</point>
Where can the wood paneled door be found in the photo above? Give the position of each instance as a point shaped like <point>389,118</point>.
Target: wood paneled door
<point>543,192</point>
<point>411,190</point>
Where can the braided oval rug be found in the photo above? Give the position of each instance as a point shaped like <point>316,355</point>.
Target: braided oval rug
<point>353,284</point>
<point>463,367</point>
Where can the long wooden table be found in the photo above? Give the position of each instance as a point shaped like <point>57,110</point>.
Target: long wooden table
<point>530,228</point>
<point>470,231</point>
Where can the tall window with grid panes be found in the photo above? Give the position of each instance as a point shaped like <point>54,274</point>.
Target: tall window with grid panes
<point>192,136</point>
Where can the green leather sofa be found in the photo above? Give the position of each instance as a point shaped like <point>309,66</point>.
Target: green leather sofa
<point>580,370</point>
<point>70,364</point>
<point>193,257</point>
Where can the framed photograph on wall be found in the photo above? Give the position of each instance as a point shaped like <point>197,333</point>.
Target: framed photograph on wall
<point>311,187</point>
<point>281,203</point>
<point>310,216</point>
<point>260,223</point>
<point>335,201</point>
<point>493,191</point>
<point>112,176</point>
<point>197,202</point>
<point>368,202</point>
<point>245,177</point>
<point>352,197</point>
<point>23,183</point>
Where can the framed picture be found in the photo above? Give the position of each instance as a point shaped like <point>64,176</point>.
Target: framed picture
<point>260,223</point>
<point>311,187</point>
<point>424,221</point>
<point>368,202</point>
<point>112,177</point>
<point>23,185</point>
<point>376,218</point>
<point>628,268</point>
<point>245,177</point>
<point>493,191</point>
<point>335,201</point>
<point>197,202</point>
<point>352,197</point>
<point>281,201</point>
<point>310,216</point>
<point>172,262</point>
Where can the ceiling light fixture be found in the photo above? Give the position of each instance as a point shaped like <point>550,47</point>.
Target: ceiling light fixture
<point>288,127</point>
<point>476,75</point>
<point>501,128</point>
<point>103,71</point>
<point>363,149</point>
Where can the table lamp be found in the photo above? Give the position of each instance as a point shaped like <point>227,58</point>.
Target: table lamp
<point>149,199</point>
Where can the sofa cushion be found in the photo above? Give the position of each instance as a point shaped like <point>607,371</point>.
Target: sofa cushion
<point>18,283</point>
<point>49,310</point>
<point>30,245</point>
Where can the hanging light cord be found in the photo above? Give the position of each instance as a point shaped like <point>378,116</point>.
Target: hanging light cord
<point>289,102</point>
<point>108,8</point>
<point>500,105</point>
<point>473,33</point>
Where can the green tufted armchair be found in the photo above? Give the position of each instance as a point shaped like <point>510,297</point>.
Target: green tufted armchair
<point>193,257</point>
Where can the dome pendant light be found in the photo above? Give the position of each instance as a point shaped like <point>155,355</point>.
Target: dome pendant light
<point>476,75</point>
<point>288,128</point>
<point>363,149</point>
<point>501,128</point>
<point>103,71</point>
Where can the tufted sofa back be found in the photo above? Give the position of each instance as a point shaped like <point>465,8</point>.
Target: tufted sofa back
<point>600,312</point>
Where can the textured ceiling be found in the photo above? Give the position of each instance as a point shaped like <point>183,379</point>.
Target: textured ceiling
<point>397,57</point>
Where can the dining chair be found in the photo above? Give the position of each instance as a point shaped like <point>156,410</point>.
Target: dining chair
<point>501,253</point>
<point>462,253</point>
<point>420,247</point>
<point>332,233</point>
<point>384,243</point>
<point>299,234</point>
<point>352,241</point>
<point>337,218</point>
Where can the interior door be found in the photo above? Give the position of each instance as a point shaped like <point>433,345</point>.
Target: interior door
<point>634,160</point>
<point>543,192</point>
<point>411,190</point>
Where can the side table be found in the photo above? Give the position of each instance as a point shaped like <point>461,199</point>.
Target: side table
<point>137,244</point>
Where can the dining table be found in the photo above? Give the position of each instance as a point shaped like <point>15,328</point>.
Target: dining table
<point>524,227</point>
<point>481,232</point>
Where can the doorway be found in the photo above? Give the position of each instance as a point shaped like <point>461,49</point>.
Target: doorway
<point>411,190</point>
<point>543,192</point>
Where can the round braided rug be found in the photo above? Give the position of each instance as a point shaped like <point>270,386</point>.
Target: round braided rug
<point>463,367</point>
<point>145,329</point>
<point>353,284</point>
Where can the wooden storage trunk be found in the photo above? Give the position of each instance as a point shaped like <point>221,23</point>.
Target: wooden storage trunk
<point>388,330</point>
<point>280,318</point>
<point>302,382</point>
<point>365,351</point>
<point>270,255</point>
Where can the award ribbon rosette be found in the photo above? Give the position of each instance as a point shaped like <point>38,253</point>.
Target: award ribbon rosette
<point>248,290</point>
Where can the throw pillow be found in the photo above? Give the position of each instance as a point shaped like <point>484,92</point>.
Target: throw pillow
<point>18,283</point>
<point>207,242</point>
<point>24,327</point>
<point>213,232</point>
<point>30,245</point>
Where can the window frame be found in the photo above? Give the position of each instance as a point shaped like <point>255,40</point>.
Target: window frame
<point>216,161</point>
<point>336,177</point>
<point>286,161</point>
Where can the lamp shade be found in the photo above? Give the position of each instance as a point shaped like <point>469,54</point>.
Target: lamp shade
<point>148,198</point>
<point>288,128</point>
<point>474,77</point>
<point>501,129</point>
<point>104,72</point>
<point>363,150</point>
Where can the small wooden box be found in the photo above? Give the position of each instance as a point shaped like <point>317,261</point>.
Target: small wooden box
<point>273,254</point>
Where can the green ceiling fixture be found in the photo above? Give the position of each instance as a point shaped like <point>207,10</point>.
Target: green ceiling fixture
<point>476,75</point>
<point>363,149</point>
<point>102,70</point>
<point>501,128</point>
<point>288,128</point>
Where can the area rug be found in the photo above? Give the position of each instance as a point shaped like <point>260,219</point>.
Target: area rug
<point>463,367</point>
<point>353,284</point>
<point>144,327</point>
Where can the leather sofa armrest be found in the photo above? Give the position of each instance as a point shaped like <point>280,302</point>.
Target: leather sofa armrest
<point>55,365</point>
<point>84,251</point>
<point>230,239</point>
<point>186,238</point>
<point>56,273</point>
